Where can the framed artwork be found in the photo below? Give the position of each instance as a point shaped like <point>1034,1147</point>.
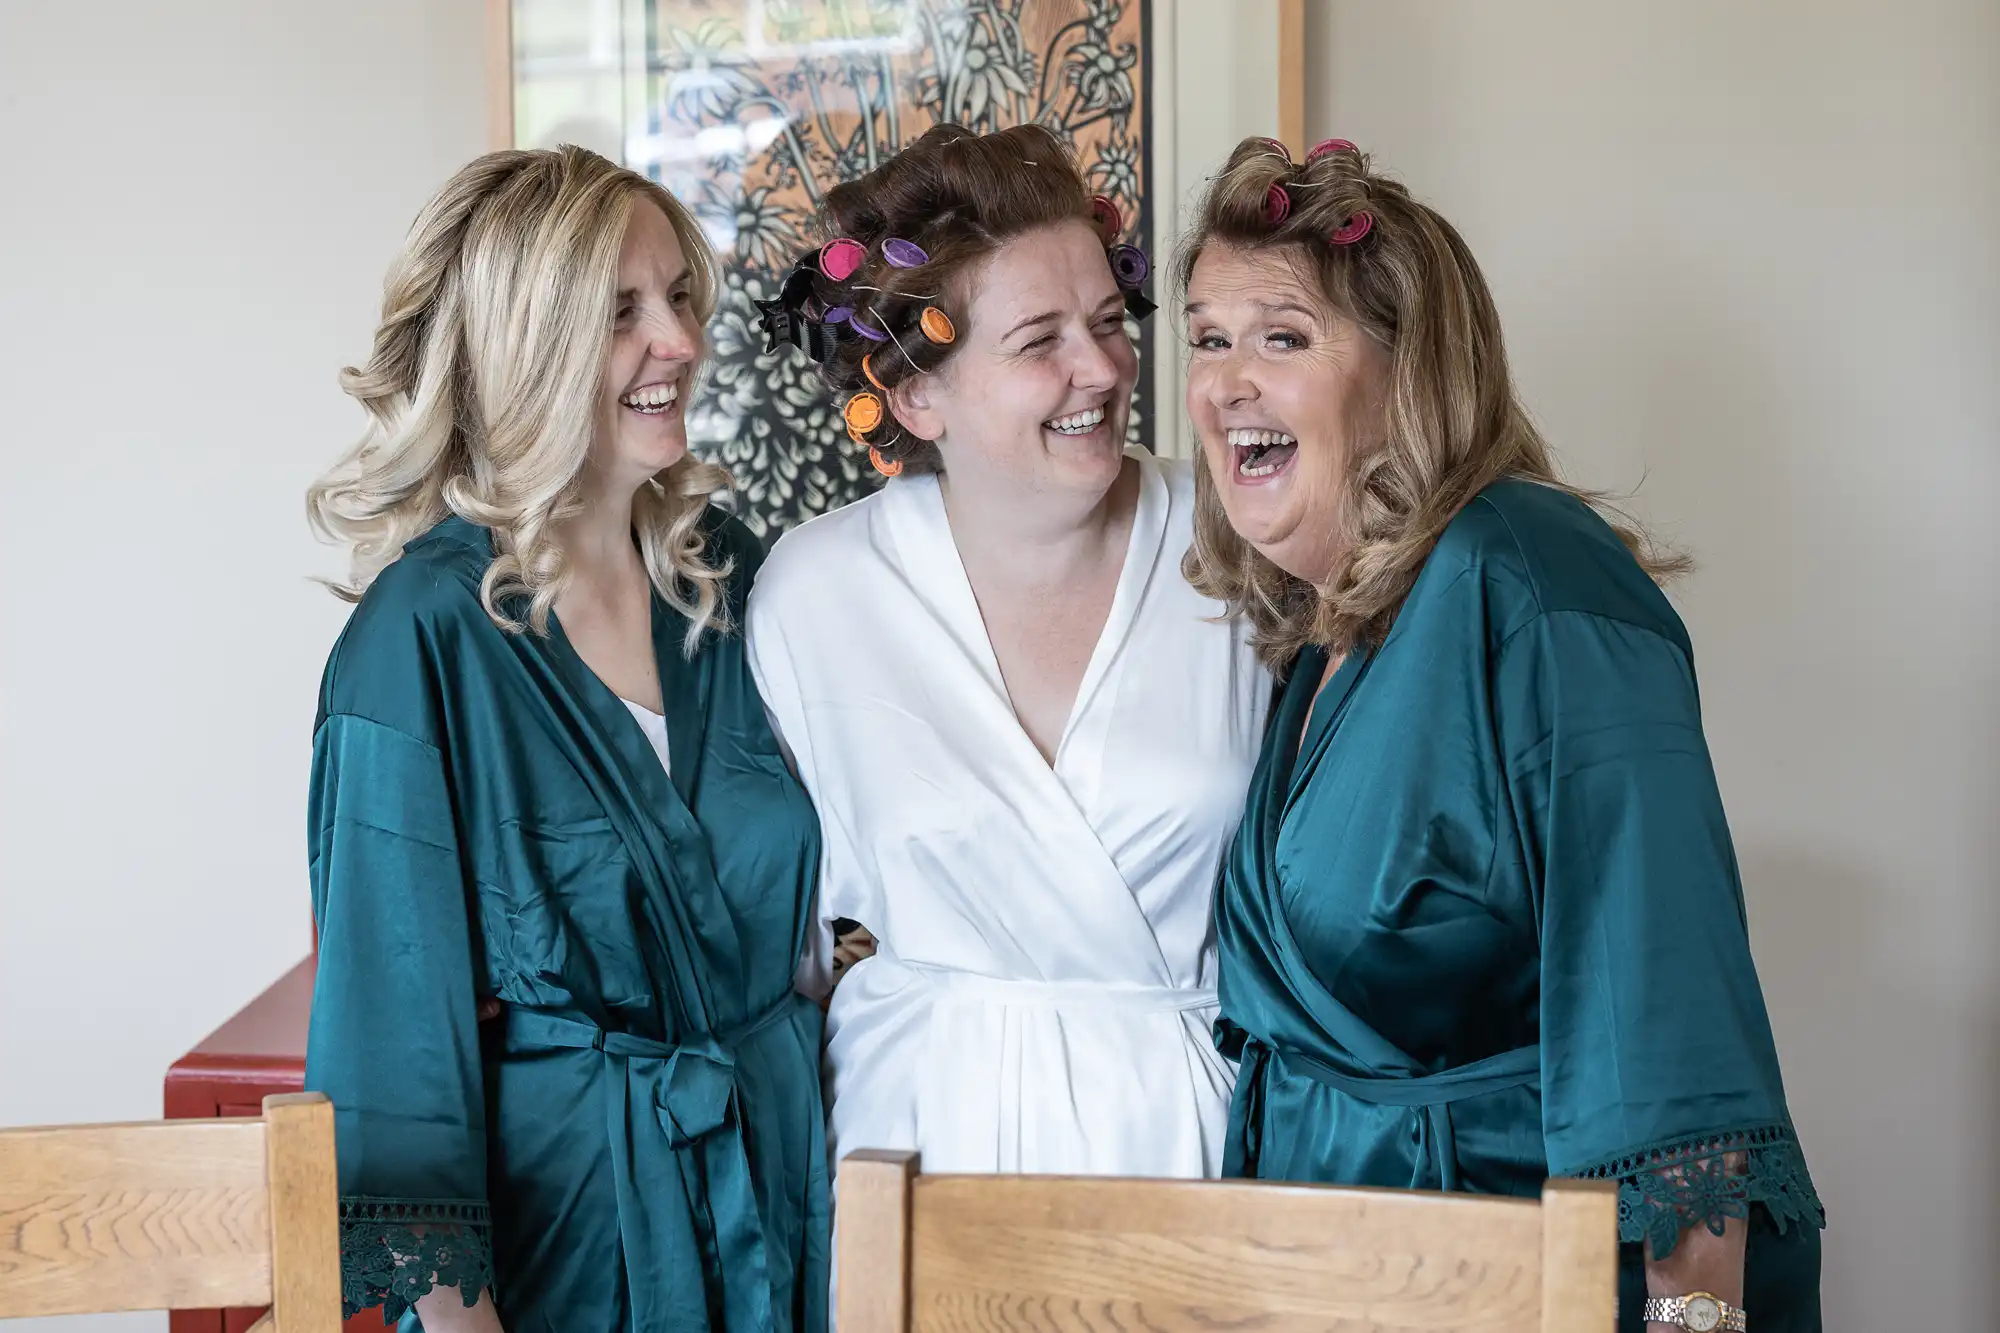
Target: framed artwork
<point>749,110</point>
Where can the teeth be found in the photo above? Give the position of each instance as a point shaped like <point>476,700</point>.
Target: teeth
<point>1077,423</point>
<point>1244,438</point>
<point>1258,462</point>
<point>652,398</point>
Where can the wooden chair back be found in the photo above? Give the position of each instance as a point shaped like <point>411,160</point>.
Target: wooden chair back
<point>175,1214</point>
<point>1007,1254</point>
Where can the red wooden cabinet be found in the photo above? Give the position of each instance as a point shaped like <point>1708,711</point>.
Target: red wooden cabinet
<point>260,1051</point>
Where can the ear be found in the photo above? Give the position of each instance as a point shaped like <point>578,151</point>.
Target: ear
<point>911,404</point>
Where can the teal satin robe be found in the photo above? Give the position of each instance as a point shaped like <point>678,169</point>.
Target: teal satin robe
<point>1484,925</point>
<point>638,1143</point>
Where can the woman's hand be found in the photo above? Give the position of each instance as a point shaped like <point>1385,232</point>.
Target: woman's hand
<point>850,948</point>
<point>851,944</point>
<point>444,1310</point>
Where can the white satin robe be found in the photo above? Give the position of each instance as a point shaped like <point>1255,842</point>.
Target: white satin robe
<point>1043,987</point>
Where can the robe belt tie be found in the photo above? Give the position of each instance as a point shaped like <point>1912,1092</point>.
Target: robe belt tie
<point>678,1118</point>
<point>1141,999</point>
<point>1429,1094</point>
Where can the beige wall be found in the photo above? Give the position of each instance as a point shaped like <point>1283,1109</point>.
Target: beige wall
<point>198,203</point>
<point>1746,253</point>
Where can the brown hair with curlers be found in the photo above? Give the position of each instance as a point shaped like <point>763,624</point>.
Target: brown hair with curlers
<point>885,295</point>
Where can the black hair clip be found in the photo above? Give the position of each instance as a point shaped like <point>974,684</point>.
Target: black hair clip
<point>787,318</point>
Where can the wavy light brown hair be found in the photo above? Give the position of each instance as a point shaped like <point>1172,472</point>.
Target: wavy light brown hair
<point>484,391</point>
<point>1454,424</point>
<point>959,196</point>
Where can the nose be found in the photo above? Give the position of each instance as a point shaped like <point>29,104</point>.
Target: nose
<point>674,339</point>
<point>1230,383</point>
<point>1093,370</point>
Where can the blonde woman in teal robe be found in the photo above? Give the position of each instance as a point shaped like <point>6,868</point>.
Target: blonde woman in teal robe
<point>545,795</point>
<point>1482,923</point>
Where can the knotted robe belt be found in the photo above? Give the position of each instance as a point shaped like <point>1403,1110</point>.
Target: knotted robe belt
<point>679,1098</point>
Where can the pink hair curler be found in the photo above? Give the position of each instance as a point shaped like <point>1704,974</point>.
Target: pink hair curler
<point>1107,217</point>
<point>1352,230</point>
<point>841,259</point>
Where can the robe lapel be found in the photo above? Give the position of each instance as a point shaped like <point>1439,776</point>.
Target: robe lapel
<point>931,563</point>
<point>914,510</point>
<point>682,690</point>
<point>1142,557</point>
<point>1326,713</point>
<point>623,747</point>
<point>666,844</point>
<point>1092,886</point>
<point>601,740</point>
<point>1274,793</point>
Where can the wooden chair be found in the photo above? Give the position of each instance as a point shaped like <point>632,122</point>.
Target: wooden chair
<point>969,1254</point>
<point>174,1214</point>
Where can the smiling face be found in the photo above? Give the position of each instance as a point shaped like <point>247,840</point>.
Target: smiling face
<point>1036,393</point>
<point>655,345</point>
<point>1283,392</point>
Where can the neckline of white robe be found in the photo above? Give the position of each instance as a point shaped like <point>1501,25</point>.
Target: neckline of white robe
<point>929,554</point>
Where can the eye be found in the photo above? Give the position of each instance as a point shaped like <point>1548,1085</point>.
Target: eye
<point>680,299</point>
<point>1110,324</point>
<point>1041,344</point>
<point>1285,339</point>
<point>625,315</point>
<point>1208,342</point>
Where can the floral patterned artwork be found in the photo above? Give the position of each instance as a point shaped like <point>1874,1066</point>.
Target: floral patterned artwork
<point>752,109</point>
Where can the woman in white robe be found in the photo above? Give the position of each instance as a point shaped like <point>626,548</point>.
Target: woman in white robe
<point>1027,737</point>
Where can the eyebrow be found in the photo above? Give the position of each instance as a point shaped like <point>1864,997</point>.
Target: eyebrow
<point>632,293</point>
<point>1055,316</point>
<point>1274,307</point>
<point>1268,307</point>
<point>1046,317</point>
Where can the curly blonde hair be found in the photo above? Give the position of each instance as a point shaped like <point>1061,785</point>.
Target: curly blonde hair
<point>1454,424</point>
<point>484,389</point>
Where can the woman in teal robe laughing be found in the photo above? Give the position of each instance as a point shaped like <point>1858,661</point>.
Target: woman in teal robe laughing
<point>1482,922</point>
<point>544,792</point>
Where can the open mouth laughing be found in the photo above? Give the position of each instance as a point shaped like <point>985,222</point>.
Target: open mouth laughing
<point>1261,454</point>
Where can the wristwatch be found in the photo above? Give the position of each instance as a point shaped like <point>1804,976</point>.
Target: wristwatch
<point>1698,1312</point>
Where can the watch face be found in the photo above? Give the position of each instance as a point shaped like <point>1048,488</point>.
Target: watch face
<point>1703,1314</point>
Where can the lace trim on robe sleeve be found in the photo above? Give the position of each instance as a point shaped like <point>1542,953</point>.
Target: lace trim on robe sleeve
<point>1667,1188</point>
<point>394,1252</point>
